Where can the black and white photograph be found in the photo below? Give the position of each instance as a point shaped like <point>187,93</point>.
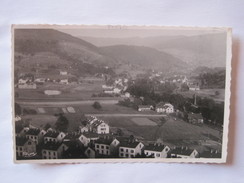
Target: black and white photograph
<point>117,93</point>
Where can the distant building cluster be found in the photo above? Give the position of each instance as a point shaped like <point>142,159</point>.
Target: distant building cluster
<point>94,140</point>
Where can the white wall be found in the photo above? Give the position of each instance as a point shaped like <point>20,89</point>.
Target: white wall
<point>157,12</point>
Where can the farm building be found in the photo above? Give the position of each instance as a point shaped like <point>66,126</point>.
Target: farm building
<point>64,81</point>
<point>36,135</point>
<point>145,107</point>
<point>156,150</point>
<point>130,149</point>
<point>106,146</point>
<point>184,152</point>
<point>53,150</point>
<point>195,118</point>
<point>63,73</point>
<point>24,146</point>
<point>99,127</point>
<point>164,108</point>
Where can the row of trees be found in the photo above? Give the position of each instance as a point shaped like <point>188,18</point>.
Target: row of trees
<point>144,89</point>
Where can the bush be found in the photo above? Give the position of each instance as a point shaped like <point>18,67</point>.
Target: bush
<point>97,105</point>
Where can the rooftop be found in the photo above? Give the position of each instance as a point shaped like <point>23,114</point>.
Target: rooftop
<point>129,144</point>
<point>33,131</point>
<point>182,151</point>
<point>52,134</point>
<point>51,146</point>
<point>155,147</point>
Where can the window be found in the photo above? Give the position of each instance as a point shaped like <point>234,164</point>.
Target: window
<point>131,150</point>
<point>49,153</point>
<point>121,154</point>
<point>126,150</point>
<point>107,147</point>
<point>54,153</point>
<point>44,152</point>
<point>29,143</point>
<point>44,157</point>
<point>102,146</point>
<point>121,149</point>
<point>20,148</point>
<point>97,146</point>
<point>158,155</point>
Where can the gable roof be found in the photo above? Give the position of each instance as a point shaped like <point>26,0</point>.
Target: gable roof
<point>72,136</point>
<point>157,147</point>
<point>52,134</point>
<point>106,141</point>
<point>33,131</point>
<point>51,146</point>
<point>195,115</point>
<point>90,135</point>
<point>182,151</point>
<point>128,144</point>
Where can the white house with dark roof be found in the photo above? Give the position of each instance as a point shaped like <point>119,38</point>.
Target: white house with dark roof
<point>156,150</point>
<point>145,108</point>
<point>53,136</point>
<point>99,127</point>
<point>164,108</point>
<point>36,135</point>
<point>24,146</point>
<point>53,150</point>
<point>130,149</point>
<point>107,146</point>
<point>184,152</point>
<point>87,138</point>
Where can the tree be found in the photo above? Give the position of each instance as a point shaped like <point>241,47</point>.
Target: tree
<point>97,105</point>
<point>47,126</point>
<point>119,132</point>
<point>62,123</point>
<point>217,93</point>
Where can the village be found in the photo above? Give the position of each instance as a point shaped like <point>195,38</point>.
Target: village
<point>94,137</point>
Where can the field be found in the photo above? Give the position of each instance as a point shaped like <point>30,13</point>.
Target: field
<point>210,93</point>
<point>70,91</point>
<point>171,132</point>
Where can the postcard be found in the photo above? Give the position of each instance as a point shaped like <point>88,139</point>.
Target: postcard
<point>117,93</point>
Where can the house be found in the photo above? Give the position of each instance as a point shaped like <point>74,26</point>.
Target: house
<point>21,131</point>
<point>87,138</point>
<point>99,127</point>
<point>64,81</point>
<point>210,154</point>
<point>194,87</point>
<point>165,108</point>
<point>24,80</point>
<point>195,118</point>
<point>184,152</point>
<point>63,73</point>
<point>17,118</point>
<point>107,146</point>
<point>127,94</point>
<point>71,137</point>
<point>53,150</point>
<point>27,86</point>
<point>156,150</point>
<point>24,147</point>
<point>53,136</point>
<point>130,149</point>
<point>84,129</point>
<point>40,80</point>
<point>145,107</point>
<point>107,87</point>
<point>90,152</point>
<point>75,149</point>
<point>36,135</point>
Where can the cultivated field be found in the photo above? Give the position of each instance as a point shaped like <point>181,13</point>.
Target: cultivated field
<point>209,93</point>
